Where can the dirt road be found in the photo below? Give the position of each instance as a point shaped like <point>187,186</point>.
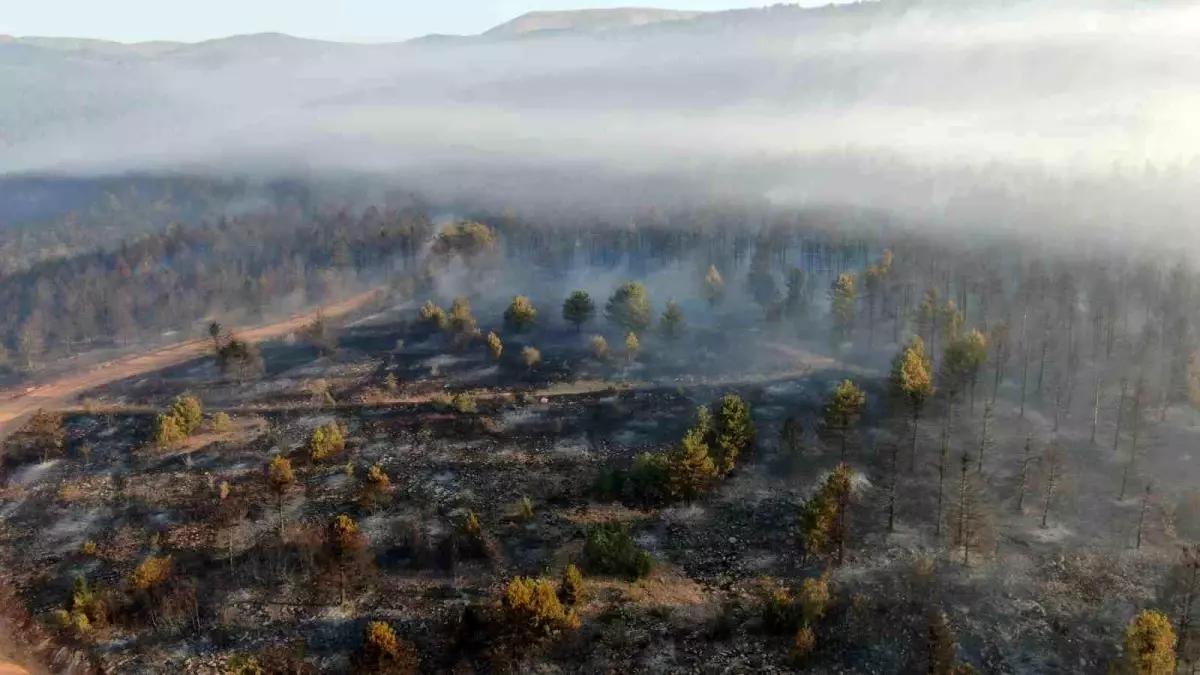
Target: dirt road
<point>15,404</point>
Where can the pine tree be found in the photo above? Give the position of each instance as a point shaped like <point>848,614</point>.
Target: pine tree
<point>279,480</point>
<point>520,315</point>
<point>843,410</point>
<point>599,346</point>
<point>823,518</point>
<point>714,286</point>
<point>731,432</point>
<point>214,332</point>
<point>671,325</point>
<point>843,302</point>
<point>629,308</point>
<point>633,347</point>
<point>495,346</point>
<point>1150,645</point>
<point>345,542</point>
<point>578,309</point>
<point>912,383</point>
<point>692,470</point>
<point>570,589</point>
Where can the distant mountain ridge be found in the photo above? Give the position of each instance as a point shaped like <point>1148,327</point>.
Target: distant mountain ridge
<point>589,20</point>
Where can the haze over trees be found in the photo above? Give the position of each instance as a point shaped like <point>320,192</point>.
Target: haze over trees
<point>421,482</point>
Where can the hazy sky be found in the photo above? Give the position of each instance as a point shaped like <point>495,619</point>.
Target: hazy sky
<point>359,20</point>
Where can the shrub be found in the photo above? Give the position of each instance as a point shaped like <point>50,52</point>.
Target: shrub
<point>525,508</point>
<point>520,315</point>
<point>778,607</point>
<point>610,483</point>
<point>531,356</point>
<point>391,383</point>
<point>495,346</point>
<point>472,526</point>
<point>88,606</point>
<point>168,432</point>
<point>152,572</point>
<point>188,411</point>
<point>599,346</point>
<point>239,357</point>
<point>377,478</point>
<point>570,590</point>
<point>327,440</point>
<point>376,491</point>
<point>814,599</point>
<point>382,651</point>
<point>62,618</point>
<point>804,643</point>
<point>648,479</point>
<point>221,422</point>
<point>88,548</point>
<point>432,316</point>
<point>610,550</point>
<point>244,664</point>
<point>463,403</point>
<point>531,606</point>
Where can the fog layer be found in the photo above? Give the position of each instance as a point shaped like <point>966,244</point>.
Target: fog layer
<point>880,104</point>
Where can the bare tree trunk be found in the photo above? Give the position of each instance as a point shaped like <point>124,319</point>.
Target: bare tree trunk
<point>1142,514</point>
<point>1191,558</point>
<point>1120,411</point>
<point>1096,407</point>
<point>916,422</point>
<point>1000,358</point>
<point>984,441</point>
<point>1042,363</point>
<point>843,505</point>
<point>1026,459</point>
<point>892,489</point>
<point>1133,449</point>
<point>962,510</point>
<point>942,465</point>
<point>1053,473</point>
<point>1024,361</point>
<point>281,517</point>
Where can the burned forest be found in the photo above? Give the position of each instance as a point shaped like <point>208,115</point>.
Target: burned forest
<point>728,439</point>
<point>861,338</point>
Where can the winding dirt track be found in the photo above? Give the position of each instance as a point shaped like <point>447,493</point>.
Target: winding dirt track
<point>15,404</point>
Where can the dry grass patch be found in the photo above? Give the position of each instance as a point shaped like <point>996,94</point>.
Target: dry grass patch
<point>606,513</point>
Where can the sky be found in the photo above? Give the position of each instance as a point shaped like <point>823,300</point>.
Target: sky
<point>349,20</point>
